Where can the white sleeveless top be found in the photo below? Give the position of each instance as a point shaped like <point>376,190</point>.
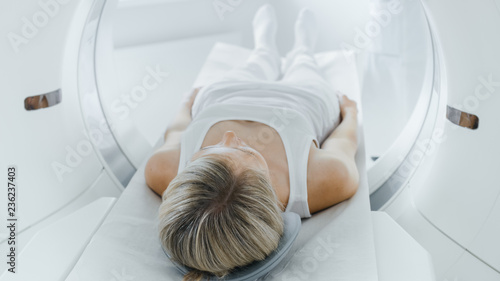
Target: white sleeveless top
<point>299,117</point>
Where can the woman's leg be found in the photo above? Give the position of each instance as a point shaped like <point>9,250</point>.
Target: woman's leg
<point>302,71</point>
<point>264,62</point>
<point>301,67</point>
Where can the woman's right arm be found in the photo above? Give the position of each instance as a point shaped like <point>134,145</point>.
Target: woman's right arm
<point>163,165</point>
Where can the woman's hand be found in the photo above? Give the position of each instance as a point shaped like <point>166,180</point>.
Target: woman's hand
<point>182,119</point>
<point>347,106</point>
<point>190,100</point>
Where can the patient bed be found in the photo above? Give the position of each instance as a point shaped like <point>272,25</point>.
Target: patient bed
<point>336,244</point>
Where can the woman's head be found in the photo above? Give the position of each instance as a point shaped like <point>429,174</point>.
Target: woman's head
<point>218,214</point>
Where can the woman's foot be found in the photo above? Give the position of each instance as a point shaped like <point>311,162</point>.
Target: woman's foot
<point>306,31</point>
<point>265,26</point>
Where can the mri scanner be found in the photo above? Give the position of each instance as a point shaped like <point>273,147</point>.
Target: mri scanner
<point>113,72</point>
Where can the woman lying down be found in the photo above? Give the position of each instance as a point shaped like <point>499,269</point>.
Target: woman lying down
<point>253,146</point>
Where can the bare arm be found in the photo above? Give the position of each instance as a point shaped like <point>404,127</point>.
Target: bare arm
<point>344,139</point>
<point>332,172</point>
<point>181,120</point>
<point>163,165</point>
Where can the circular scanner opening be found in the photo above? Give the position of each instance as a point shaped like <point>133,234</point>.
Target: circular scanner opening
<point>148,55</point>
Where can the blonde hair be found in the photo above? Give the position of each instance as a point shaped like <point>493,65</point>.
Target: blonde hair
<point>213,220</point>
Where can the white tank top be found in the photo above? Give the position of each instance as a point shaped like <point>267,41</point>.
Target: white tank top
<point>299,117</point>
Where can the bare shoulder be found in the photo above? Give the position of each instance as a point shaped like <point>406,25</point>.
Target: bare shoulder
<point>162,168</point>
<point>331,179</point>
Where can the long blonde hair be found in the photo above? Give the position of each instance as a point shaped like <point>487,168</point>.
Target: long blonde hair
<point>213,220</point>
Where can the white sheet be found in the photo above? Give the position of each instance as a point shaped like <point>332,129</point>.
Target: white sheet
<point>336,244</point>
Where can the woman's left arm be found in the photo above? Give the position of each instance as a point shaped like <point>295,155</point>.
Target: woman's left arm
<point>163,165</point>
<point>181,120</point>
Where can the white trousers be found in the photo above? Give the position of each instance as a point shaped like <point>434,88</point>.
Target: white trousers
<point>300,69</point>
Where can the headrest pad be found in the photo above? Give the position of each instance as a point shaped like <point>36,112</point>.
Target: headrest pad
<point>260,268</point>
